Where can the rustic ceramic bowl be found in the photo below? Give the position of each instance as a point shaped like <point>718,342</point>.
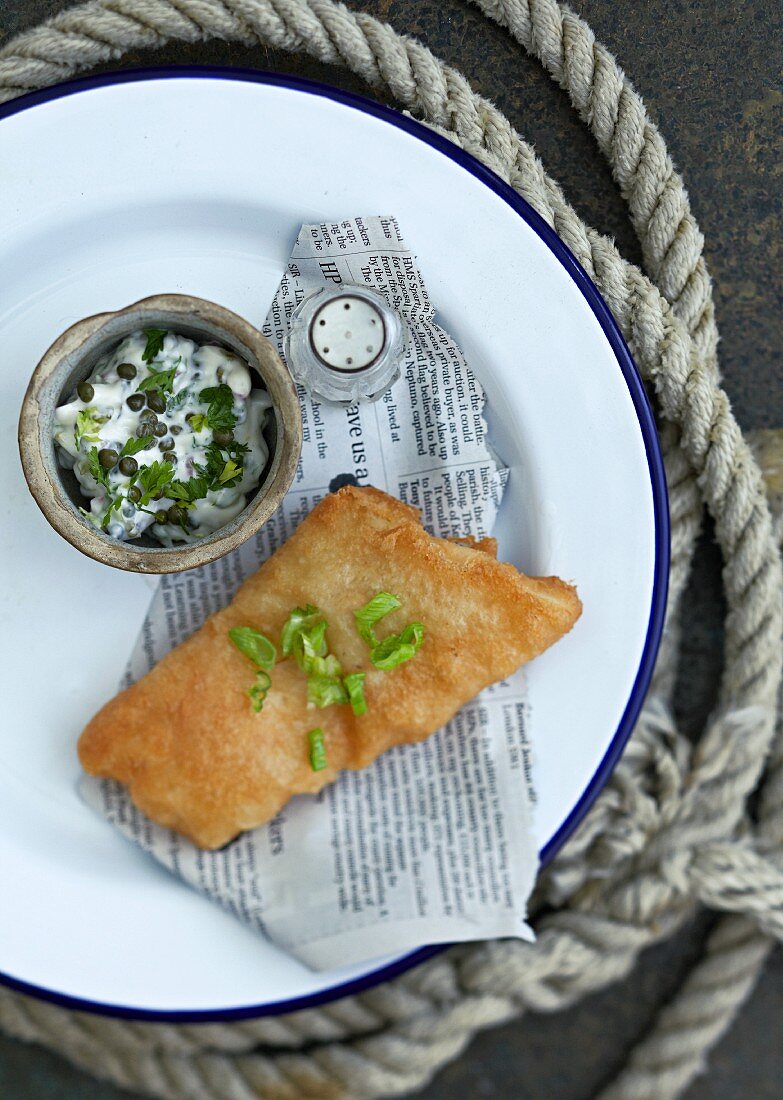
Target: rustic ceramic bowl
<point>71,359</point>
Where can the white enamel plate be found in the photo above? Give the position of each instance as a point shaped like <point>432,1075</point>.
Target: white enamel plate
<point>121,186</point>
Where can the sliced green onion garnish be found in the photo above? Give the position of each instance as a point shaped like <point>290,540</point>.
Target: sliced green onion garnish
<point>354,685</point>
<point>398,648</point>
<point>311,645</point>
<point>324,666</point>
<point>325,691</point>
<point>317,749</point>
<point>258,692</point>
<point>372,613</point>
<point>304,638</point>
<point>261,651</point>
<point>300,619</point>
<point>254,645</point>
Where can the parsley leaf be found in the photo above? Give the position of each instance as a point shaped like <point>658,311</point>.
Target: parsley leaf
<point>186,493</point>
<point>154,479</point>
<point>221,473</point>
<point>162,380</point>
<point>113,505</point>
<point>198,421</point>
<point>212,468</point>
<point>97,471</point>
<point>231,473</point>
<point>135,444</point>
<point>87,424</point>
<point>221,394</point>
<point>198,487</point>
<point>155,338</point>
<point>220,414</point>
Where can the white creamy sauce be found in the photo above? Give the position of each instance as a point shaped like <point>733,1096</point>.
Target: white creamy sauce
<point>188,443</point>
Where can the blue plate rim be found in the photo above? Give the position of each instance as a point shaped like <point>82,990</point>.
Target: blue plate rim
<point>647,426</point>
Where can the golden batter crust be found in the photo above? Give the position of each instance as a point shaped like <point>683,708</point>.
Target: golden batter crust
<point>196,757</point>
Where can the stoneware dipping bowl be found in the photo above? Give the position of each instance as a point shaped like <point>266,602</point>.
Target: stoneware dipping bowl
<point>71,359</point>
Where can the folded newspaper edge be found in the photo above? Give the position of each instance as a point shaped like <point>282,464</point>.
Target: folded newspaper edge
<point>432,843</point>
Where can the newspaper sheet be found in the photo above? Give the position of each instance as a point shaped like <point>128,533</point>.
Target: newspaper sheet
<point>433,842</point>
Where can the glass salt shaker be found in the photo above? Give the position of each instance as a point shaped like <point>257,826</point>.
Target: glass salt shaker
<point>345,344</point>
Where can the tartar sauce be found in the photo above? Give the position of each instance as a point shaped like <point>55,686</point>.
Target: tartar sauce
<point>165,435</point>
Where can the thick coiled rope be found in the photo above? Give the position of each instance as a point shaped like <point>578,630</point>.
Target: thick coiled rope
<point>672,827</point>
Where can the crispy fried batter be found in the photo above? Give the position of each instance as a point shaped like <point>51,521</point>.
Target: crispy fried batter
<point>195,756</point>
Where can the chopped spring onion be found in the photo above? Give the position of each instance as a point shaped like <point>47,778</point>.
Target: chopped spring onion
<point>398,648</point>
<point>317,749</point>
<point>327,666</point>
<point>311,646</point>
<point>325,691</point>
<point>261,651</point>
<point>301,621</point>
<point>304,637</point>
<point>354,685</point>
<point>378,607</point>
<point>258,692</point>
<point>254,645</point>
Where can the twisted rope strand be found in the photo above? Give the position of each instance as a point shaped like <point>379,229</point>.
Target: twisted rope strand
<point>606,101</point>
<point>670,826</point>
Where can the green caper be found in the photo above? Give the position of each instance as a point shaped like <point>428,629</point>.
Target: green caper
<point>223,438</point>
<point>128,466</point>
<point>170,457</point>
<point>85,391</point>
<point>136,401</point>
<point>108,458</point>
<point>176,514</point>
<point>161,516</point>
<point>144,428</point>
<point>159,430</point>
<point>175,429</point>
<point>134,494</point>
<point>126,370</point>
<point>166,444</point>
<point>156,401</point>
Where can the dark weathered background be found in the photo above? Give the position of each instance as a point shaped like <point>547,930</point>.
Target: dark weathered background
<point>711,75</point>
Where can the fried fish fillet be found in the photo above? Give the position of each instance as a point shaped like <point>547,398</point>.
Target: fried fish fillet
<point>197,758</point>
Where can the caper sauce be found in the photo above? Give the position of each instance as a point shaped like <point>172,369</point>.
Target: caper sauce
<point>165,436</point>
